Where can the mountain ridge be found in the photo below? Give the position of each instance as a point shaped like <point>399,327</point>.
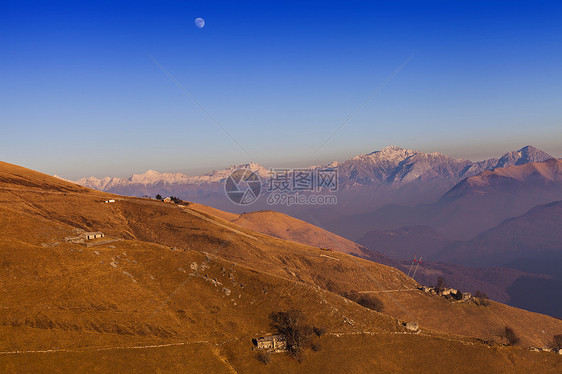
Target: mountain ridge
<point>390,165</point>
<point>471,206</point>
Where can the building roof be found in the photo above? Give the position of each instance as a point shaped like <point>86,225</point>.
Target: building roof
<point>271,337</point>
<point>92,233</point>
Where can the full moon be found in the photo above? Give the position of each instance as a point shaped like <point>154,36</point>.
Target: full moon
<point>199,22</point>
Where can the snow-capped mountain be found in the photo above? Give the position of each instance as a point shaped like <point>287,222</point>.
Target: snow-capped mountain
<point>393,168</point>
<point>397,166</point>
<point>152,178</point>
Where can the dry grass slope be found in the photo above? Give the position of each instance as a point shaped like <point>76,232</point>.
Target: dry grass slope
<point>185,290</point>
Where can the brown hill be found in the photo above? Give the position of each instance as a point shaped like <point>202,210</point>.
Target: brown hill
<point>183,290</point>
<point>282,226</point>
<point>286,227</point>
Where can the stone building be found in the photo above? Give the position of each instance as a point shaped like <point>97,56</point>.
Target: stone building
<point>92,235</point>
<point>274,343</point>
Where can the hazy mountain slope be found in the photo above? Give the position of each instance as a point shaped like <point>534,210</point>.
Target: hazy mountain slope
<point>405,242</point>
<point>474,204</point>
<point>531,243</point>
<point>182,276</point>
<point>483,201</point>
<point>535,234</point>
<point>504,284</point>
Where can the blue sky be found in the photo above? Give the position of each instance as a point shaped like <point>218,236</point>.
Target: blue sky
<point>80,94</point>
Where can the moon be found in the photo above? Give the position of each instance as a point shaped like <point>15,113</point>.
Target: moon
<point>199,22</point>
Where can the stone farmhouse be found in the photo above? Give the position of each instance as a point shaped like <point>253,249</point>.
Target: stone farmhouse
<point>271,343</point>
<point>83,237</point>
<point>448,293</point>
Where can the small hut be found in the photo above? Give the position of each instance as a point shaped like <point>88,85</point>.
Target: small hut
<point>274,343</point>
<point>92,235</point>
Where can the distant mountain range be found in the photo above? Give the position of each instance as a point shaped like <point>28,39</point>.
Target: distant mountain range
<point>397,166</point>
<point>154,178</point>
<point>366,181</point>
<point>391,165</point>
<point>473,205</point>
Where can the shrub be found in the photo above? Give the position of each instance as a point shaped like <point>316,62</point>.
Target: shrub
<point>371,302</point>
<point>481,298</point>
<point>557,341</point>
<point>316,347</point>
<point>441,284</point>
<point>263,357</point>
<point>319,331</point>
<point>351,295</point>
<point>158,197</point>
<point>510,336</point>
<point>481,295</point>
<point>366,300</point>
<point>176,200</point>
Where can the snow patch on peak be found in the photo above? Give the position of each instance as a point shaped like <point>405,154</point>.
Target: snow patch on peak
<point>522,156</point>
<point>218,175</point>
<point>151,172</point>
<point>393,148</point>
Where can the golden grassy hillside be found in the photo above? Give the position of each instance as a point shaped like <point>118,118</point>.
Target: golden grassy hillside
<point>282,226</point>
<point>183,290</point>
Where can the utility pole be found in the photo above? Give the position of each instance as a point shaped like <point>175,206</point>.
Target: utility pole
<point>413,262</point>
<point>419,262</point>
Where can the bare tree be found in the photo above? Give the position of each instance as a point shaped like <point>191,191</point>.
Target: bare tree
<point>510,336</point>
<point>440,284</point>
<point>481,298</point>
<point>290,324</point>
<point>557,341</point>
